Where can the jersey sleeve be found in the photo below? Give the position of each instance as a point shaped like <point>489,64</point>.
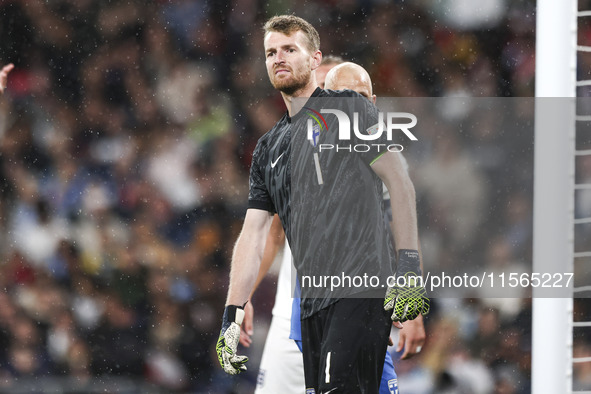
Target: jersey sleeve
<point>369,123</point>
<point>258,194</point>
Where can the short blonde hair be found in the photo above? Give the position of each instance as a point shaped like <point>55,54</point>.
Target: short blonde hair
<point>288,24</point>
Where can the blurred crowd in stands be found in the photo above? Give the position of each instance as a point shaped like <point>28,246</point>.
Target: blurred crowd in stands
<point>126,134</point>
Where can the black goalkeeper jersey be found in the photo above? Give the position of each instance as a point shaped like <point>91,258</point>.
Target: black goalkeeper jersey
<point>327,196</point>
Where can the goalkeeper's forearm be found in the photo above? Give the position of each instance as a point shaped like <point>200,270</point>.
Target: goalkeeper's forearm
<point>402,200</point>
<point>275,241</point>
<point>404,215</point>
<point>247,256</point>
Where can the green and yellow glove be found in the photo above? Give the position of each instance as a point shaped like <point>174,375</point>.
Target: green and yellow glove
<point>228,341</point>
<point>408,297</point>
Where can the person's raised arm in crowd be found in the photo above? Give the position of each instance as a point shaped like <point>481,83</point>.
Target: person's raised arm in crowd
<point>4,76</point>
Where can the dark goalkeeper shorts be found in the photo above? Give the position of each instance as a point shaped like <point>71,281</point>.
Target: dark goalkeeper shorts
<point>344,346</point>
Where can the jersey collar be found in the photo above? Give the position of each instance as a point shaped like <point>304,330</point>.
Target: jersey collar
<point>317,93</point>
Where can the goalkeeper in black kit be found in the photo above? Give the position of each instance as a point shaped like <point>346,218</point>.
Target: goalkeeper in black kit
<point>330,205</point>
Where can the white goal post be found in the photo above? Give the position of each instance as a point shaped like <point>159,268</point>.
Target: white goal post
<point>553,240</point>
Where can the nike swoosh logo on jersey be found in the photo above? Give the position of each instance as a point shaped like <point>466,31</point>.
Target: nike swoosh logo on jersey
<point>274,163</point>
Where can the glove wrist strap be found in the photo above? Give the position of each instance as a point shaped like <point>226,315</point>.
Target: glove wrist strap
<point>233,314</point>
<point>408,261</point>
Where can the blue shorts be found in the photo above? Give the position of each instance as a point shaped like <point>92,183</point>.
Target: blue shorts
<point>389,382</point>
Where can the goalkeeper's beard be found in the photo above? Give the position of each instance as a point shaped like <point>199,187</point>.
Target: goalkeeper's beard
<point>296,80</point>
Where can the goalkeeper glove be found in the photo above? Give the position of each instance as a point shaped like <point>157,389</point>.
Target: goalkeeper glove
<point>227,344</point>
<point>407,297</point>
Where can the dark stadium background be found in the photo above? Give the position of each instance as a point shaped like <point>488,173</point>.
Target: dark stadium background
<point>125,139</point>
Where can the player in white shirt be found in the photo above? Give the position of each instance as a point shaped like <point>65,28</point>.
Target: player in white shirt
<point>282,366</point>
